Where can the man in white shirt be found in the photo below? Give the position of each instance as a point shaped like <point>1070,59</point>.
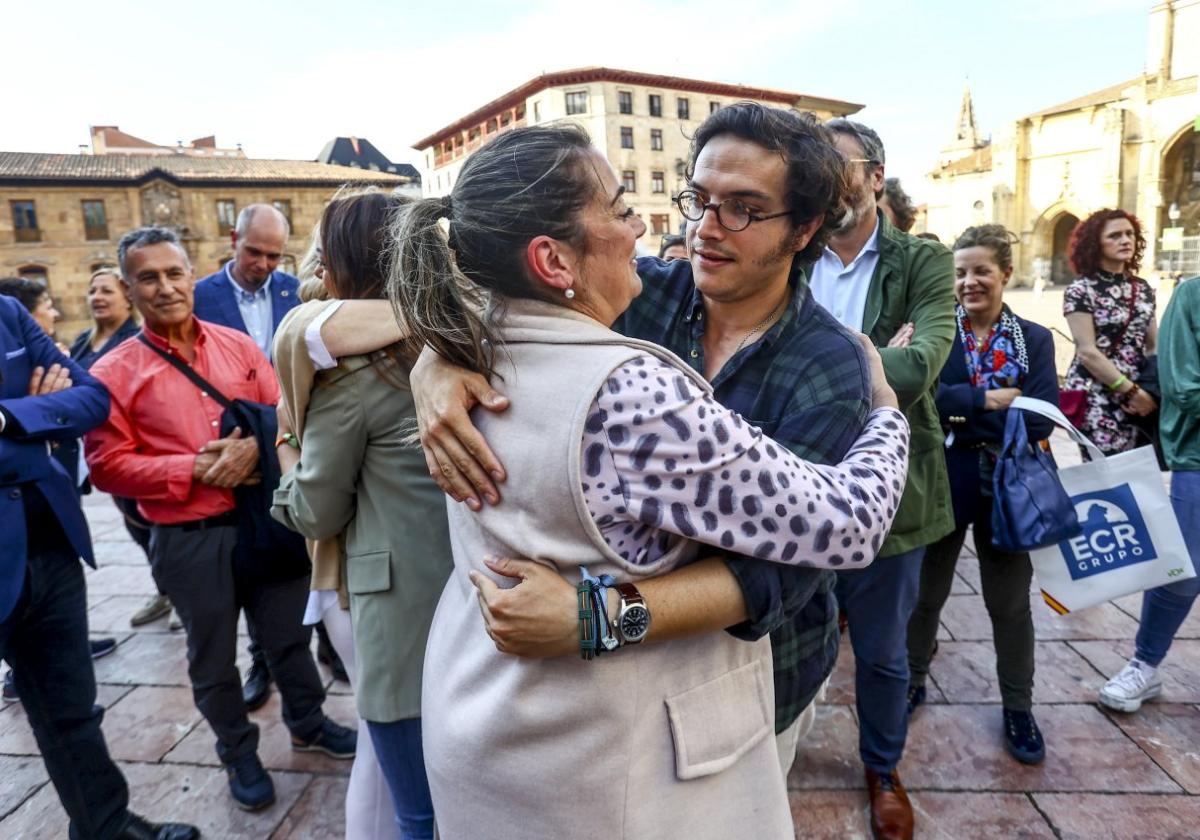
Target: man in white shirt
<point>899,290</point>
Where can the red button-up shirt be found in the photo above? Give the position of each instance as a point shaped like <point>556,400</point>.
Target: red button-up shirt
<point>159,420</point>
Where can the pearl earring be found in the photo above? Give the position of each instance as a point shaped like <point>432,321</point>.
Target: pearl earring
<point>570,293</point>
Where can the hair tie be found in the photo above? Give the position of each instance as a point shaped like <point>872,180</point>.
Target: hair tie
<point>447,206</point>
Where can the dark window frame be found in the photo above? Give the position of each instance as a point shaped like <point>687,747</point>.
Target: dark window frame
<point>658,181</point>
<point>287,214</point>
<point>94,232</point>
<point>24,219</point>
<point>629,180</point>
<point>625,101</point>
<point>683,108</point>
<point>655,103</point>
<point>656,140</point>
<point>626,134</point>
<point>573,100</point>
<point>224,228</point>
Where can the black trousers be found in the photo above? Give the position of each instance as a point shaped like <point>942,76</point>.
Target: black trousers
<point>45,639</point>
<point>1005,582</point>
<point>195,569</point>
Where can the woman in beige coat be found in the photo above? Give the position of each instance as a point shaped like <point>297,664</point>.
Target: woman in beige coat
<point>353,478</point>
<point>619,461</point>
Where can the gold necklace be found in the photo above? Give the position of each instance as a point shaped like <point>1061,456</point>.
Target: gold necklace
<point>759,326</point>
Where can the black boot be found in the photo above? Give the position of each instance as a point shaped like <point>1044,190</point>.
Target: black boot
<point>138,829</point>
<point>257,687</point>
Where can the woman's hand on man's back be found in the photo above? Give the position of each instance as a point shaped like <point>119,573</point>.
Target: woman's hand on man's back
<point>458,457</point>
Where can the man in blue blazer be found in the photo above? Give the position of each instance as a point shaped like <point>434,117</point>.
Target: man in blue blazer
<point>249,293</point>
<point>45,397</point>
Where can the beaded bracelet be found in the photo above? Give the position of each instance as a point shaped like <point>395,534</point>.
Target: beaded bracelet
<point>1128,395</point>
<point>587,638</point>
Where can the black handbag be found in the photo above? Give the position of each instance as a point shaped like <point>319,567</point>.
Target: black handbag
<point>266,552</point>
<point>1030,509</point>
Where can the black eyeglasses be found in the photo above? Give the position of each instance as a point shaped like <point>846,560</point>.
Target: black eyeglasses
<point>732,214</point>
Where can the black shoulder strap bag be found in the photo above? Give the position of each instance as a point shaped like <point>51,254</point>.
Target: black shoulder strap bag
<point>266,551</point>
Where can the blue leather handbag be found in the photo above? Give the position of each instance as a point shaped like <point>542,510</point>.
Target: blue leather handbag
<point>1030,508</point>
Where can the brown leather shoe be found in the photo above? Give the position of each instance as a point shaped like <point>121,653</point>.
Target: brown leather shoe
<point>891,812</point>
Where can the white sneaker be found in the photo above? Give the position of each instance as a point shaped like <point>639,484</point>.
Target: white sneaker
<point>1136,683</point>
<point>176,623</point>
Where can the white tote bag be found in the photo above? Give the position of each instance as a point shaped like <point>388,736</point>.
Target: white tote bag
<point>1131,540</point>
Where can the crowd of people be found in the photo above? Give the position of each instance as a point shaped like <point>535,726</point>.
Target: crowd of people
<point>674,482</point>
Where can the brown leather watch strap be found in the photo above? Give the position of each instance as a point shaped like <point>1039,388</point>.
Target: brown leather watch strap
<point>630,593</point>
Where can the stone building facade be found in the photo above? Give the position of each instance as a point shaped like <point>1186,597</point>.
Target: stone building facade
<point>61,216</point>
<point>1132,145</point>
<point>642,122</point>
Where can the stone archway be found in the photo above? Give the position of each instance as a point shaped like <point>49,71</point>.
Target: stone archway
<point>1180,171</point>
<point>1179,180</point>
<point>1061,272</point>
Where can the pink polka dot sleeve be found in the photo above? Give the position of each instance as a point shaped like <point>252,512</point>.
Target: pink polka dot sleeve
<point>663,460</point>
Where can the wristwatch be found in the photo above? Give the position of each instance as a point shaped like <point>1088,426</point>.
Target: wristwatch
<point>633,617</point>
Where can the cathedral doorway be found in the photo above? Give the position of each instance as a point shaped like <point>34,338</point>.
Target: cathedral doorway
<point>1181,202</point>
<point>1061,272</point>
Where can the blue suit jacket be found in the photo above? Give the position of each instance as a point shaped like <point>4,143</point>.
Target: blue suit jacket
<point>24,455</point>
<point>216,303</point>
<point>960,405</point>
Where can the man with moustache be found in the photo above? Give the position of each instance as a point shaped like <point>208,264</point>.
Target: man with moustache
<point>161,446</point>
<point>899,290</point>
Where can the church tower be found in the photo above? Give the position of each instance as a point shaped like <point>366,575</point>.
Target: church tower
<point>966,132</point>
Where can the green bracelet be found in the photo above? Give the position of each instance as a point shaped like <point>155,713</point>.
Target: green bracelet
<point>1121,380</point>
<point>587,639</point>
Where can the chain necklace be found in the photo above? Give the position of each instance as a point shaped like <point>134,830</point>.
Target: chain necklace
<point>759,326</point>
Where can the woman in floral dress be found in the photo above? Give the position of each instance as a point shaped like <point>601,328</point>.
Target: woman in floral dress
<point>1110,311</point>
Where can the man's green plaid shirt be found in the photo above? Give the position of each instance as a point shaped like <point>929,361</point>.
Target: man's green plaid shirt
<point>806,384</point>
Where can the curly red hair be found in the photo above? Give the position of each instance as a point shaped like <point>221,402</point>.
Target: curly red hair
<point>1084,248</point>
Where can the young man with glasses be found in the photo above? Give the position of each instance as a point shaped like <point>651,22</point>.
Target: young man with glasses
<point>899,290</point>
<point>766,190</point>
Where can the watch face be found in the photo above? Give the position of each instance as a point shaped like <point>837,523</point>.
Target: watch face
<point>635,622</point>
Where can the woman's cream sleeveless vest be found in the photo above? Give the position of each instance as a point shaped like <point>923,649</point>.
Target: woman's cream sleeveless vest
<point>655,742</point>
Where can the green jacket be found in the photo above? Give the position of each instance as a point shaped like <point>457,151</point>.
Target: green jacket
<point>1179,377</point>
<point>358,474</point>
<point>914,281</point>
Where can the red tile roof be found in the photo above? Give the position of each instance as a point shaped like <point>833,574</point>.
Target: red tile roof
<point>583,75</point>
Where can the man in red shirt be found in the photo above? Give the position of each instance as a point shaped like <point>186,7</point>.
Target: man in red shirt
<point>161,445</point>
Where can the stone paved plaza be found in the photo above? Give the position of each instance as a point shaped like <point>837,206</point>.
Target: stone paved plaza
<point>1106,775</point>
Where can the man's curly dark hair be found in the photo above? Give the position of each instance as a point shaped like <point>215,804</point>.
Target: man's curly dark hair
<point>1084,248</point>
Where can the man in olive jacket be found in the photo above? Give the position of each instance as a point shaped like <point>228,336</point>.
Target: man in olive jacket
<point>899,290</point>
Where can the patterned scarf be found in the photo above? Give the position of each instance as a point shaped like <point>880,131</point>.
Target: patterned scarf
<point>1000,360</point>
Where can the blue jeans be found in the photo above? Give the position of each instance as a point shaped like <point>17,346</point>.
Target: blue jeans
<point>879,601</point>
<point>1165,608</point>
<point>45,640</point>
<point>398,748</point>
